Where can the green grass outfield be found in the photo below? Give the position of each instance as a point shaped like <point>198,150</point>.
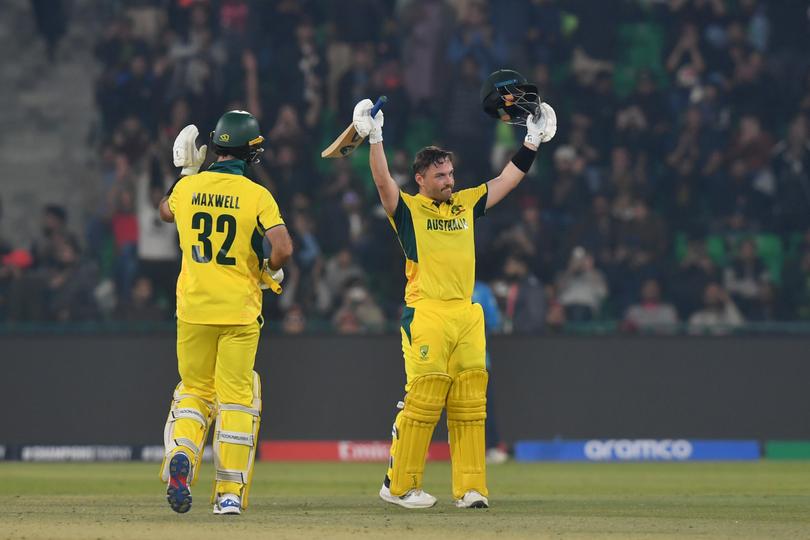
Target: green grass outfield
<point>336,500</point>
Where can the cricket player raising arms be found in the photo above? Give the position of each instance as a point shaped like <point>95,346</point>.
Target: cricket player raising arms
<point>221,218</point>
<point>442,330</point>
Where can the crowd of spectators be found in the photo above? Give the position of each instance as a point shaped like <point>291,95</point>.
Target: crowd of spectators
<point>677,190</point>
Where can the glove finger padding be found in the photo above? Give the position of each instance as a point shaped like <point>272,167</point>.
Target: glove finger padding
<point>376,127</point>
<point>550,119</point>
<point>540,128</point>
<point>184,149</point>
<point>199,155</point>
<point>361,117</point>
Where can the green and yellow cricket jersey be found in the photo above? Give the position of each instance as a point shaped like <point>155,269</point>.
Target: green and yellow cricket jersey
<point>221,218</point>
<point>438,240</point>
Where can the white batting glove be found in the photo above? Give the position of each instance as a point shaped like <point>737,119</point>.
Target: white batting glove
<point>365,125</point>
<point>185,151</point>
<point>541,129</point>
<point>278,275</point>
<point>271,279</point>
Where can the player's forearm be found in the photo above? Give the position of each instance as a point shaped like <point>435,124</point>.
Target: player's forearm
<point>281,247</point>
<point>280,256</point>
<point>278,259</point>
<point>386,186</point>
<point>511,175</point>
<point>164,210</point>
<point>379,165</point>
<point>520,163</point>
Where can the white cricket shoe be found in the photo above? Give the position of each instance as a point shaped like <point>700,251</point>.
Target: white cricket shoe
<point>228,504</point>
<point>472,499</point>
<point>415,498</point>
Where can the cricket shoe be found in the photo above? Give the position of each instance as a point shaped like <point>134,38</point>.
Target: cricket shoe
<point>178,493</point>
<point>227,504</point>
<point>472,499</point>
<point>415,498</point>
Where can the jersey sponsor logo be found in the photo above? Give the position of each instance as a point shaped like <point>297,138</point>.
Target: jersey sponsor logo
<point>458,224</point>
<point>215,200</point>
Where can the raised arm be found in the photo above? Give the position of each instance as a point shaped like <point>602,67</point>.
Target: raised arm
<point>371,127</point>
<point>386,186</point>
<point>538,130</point>
<point>185,154</point>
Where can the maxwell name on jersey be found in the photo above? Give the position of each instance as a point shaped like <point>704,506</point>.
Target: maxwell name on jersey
<point>458,224</point>
<point>215,200</point>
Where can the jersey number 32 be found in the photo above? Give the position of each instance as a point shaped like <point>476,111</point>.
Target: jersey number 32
<point>204,222</point>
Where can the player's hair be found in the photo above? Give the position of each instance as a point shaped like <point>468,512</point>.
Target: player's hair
<point>429,155</point>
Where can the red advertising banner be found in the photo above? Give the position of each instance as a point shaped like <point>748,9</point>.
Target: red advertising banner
<point>339,451</point>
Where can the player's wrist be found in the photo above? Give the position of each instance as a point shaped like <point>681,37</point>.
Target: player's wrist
<point>524,157</point>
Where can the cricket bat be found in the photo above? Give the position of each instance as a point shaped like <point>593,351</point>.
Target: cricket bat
<point>347,141</point>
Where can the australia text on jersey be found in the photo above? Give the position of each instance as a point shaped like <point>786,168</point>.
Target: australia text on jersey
<point>215,200</point>
<point>458,224</point>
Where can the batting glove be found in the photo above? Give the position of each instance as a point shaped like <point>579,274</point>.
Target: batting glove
<point>271,279</point>
<point>185,151</point>
<point>542,128</point>
<point>365,124</point>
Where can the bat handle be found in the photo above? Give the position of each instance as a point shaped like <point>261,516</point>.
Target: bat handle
<point>378,105</point>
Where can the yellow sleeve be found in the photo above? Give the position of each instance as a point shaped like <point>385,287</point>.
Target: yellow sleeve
<point>475,198</point>
<point>269,214</point>
<point>401,213</point>
<point>402,222</point>
<point>173,194</point>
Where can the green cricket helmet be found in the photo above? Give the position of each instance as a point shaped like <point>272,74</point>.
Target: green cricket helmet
<point>237,134</point>
<point>507,96</point>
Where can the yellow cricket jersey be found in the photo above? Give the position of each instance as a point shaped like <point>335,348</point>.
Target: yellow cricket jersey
<point>221,218</point>
<point>438,240</point>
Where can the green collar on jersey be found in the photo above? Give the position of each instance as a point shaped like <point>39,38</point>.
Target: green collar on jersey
<point>229,166</point>
<point>436,203</point>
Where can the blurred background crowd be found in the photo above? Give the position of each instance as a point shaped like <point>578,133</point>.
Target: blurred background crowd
<point>676,195</point>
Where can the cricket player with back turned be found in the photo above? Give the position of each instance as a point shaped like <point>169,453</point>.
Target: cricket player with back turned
<point>222,219</point>
<point>442,331</point>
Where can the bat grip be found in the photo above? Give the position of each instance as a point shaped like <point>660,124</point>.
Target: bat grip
<point>378,105</point>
